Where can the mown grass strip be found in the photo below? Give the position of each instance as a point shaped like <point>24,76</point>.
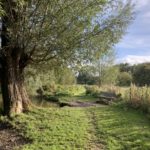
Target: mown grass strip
<point>121,129</point>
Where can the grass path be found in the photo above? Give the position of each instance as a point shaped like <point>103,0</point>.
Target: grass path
<point>94,128</point>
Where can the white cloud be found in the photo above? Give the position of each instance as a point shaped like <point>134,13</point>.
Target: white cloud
<point>133,59</point>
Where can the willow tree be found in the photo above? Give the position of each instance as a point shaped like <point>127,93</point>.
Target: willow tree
<point>56,31</point>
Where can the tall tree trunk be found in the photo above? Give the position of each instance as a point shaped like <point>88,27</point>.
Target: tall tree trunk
<point>15,98</point>
<point>12,60</point>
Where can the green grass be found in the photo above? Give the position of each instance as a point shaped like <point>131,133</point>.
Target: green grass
<point>121,129</point>
<point>78,128</point>
<point>110,127</point>
<point>54,129</point>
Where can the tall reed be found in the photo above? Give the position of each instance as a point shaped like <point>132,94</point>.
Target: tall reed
<point>138,97</point>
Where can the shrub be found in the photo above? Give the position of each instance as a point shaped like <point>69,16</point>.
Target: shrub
<point>124,79</point>
<point>141,74</point>
<point>47,89</point>
<point>92,90</point>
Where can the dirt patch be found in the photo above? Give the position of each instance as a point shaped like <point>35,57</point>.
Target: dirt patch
<point>9,138</point>
<point>78,104</point>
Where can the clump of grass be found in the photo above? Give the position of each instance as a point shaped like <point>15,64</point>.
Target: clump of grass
<point>96,91</point>
<point>139,98</point>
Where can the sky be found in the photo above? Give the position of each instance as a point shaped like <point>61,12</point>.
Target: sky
<point>134,48</point>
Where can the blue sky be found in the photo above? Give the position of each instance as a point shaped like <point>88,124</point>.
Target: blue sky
<point>135,45</point>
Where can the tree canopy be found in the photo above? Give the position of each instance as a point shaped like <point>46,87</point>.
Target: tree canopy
<point>63,30</point>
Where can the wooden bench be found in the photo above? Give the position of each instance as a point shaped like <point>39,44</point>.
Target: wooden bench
<point>106,98</point>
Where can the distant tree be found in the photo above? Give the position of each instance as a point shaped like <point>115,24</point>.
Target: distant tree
<point>99,71</point>
<point>125,67</point>
<point>141,75</point>
<point>105,70</point>
<point>37,79</point>
<point>58,31</point>
<point>86,75</point>
<point>65,76</point>
<point>109,75</point>
<point>124,79</point>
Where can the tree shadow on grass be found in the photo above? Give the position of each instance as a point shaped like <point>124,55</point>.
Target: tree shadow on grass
<point>10,138</point>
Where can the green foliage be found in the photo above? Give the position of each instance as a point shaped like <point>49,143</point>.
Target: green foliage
<point>109,75</point>
<point>104,67</point>
<point>124,79</point>
<point>92,90</point>
<point>65,76</point>
<point>125,67</point>
<point>86,76</point>
<point>47,80</point>
<point>70,90</point>
<point>100,71</point>
<point>2,12</point>
<point>34,79</point>
<point>65,31</point>
<point>141,75</point>
<point>59,93</point>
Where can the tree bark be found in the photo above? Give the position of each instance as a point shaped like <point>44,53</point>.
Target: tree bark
<point>12,61</point>
<point>15,98</point>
